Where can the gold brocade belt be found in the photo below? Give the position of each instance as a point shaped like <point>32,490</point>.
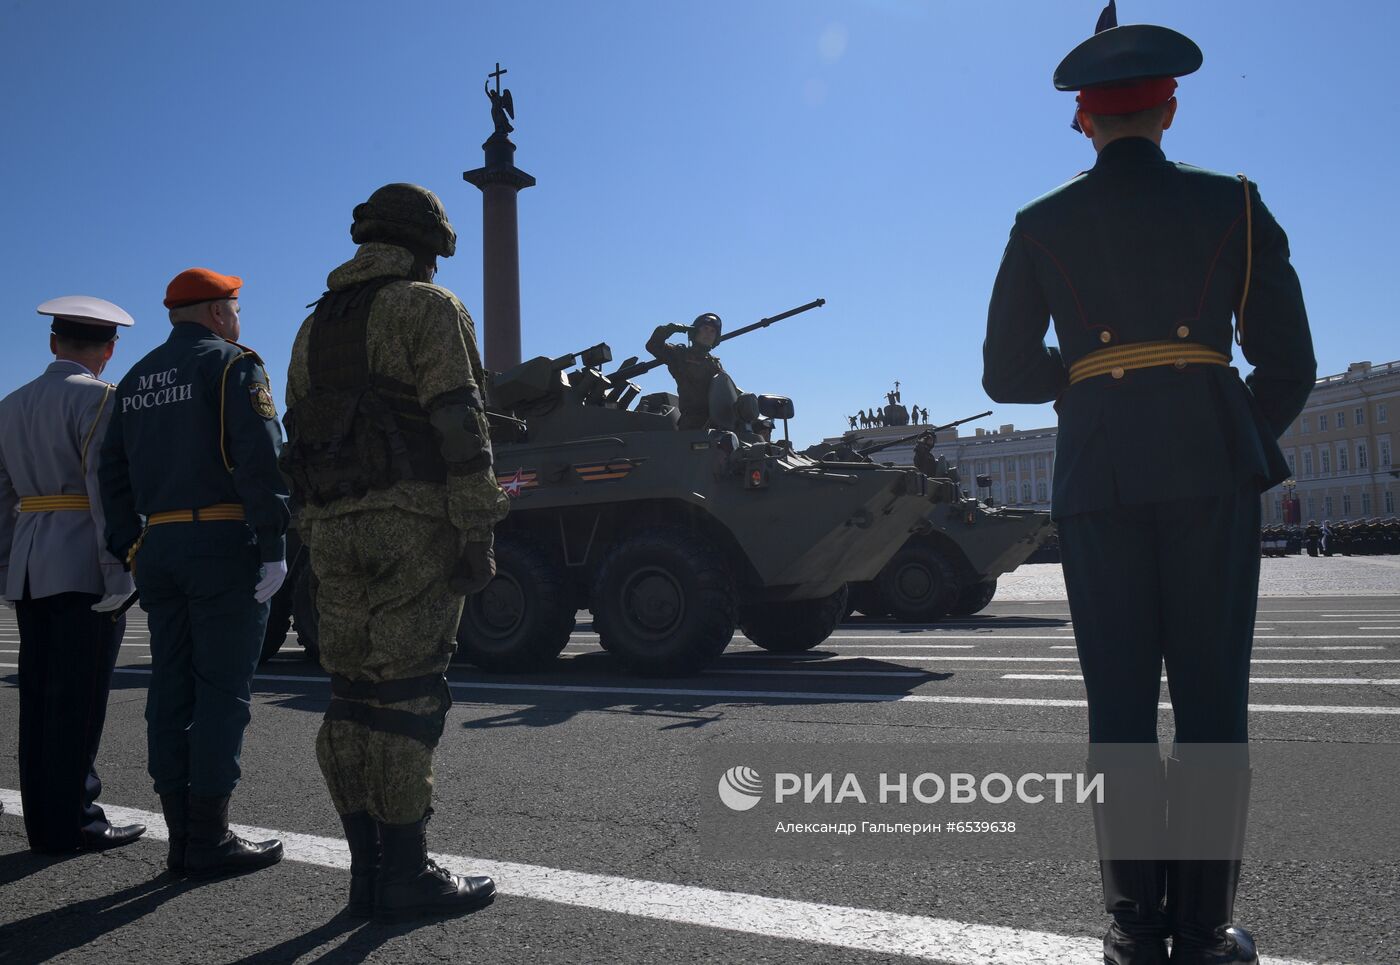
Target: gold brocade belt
<point>1142,355</point>
<point>218,511</point>
<point>52,504</point>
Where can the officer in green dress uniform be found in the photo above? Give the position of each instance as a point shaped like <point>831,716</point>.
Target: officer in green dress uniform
<point>196,505</point>
<point>1162,452</point>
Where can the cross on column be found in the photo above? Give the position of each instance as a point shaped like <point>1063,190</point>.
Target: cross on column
<point>497,75</point>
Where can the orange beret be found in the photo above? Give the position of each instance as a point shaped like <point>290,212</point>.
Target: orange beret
<point>200,285</point>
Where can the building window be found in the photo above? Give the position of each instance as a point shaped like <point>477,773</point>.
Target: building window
<point>1040,492</point>
<point>1025,492</point>
<point>1389,502</point>
<point>1327,507</point>
<point>1278,508</point>
<point>1312,507</point>
<point>1385,453</point>
<point>996,465</point>
<point>1361,455</point>
<point>1360,415</point>
<point>1380,411</point>
<point>1307,462</point>
<point>1322,422</point>
<point>1292,468</point>
<point>996,491</point>
<point>1304,424</point>
<point>1346,504</point>
<point>1342,458</point>
<point>1365,504</point>
<point>1341,419</point>
<point>1326,461</point>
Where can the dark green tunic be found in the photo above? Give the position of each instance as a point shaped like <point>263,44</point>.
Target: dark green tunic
<point>1158,470</point>
<point>1141,248</point>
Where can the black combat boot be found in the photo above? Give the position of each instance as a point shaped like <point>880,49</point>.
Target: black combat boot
<point>1206,815</point>
<point>1130,829</point>
<point>410,885</point>
<point>362,834</point>
<point>214,850</point>
<point>176,808</point>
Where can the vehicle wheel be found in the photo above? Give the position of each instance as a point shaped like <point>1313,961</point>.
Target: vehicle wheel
<point>305,618</point>
<point>521,621</point>
<point>793,627</point>
<point>865,599</point>
<point>279,621</point>
<point>664,603</point>
<point>919,585</point>
<point>974,598</point>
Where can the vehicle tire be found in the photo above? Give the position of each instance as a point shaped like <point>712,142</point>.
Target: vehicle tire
<point>664,603</point>
<point>793,627</point>
<point>279,621</point>
<point>305,618</point>
<point>974,598</point>
<point>521,621</point>
<point>865,599</point>
<point>919,585</point>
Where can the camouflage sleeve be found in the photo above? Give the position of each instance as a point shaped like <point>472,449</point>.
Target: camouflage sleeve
<point>448,373</point>
<point>252,438</point>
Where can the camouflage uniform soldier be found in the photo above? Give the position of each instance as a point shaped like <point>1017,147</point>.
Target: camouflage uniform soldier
<point>389,452</point>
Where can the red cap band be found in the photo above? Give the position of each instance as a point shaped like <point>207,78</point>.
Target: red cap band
<point>1127,98</point>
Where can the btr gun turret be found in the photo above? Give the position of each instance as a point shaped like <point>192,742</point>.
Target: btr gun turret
<point>671,538</point>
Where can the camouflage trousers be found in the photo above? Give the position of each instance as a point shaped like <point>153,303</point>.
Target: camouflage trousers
<point>388,625</point>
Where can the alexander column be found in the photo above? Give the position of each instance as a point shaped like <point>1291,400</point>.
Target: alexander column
<point>500,181</point>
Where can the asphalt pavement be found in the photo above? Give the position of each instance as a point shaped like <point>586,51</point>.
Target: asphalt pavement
<point>578,790</point>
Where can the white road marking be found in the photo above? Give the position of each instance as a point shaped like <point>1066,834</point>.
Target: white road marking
<point>818,673</point>
<point>860,929</point>
<point>1329,681</point>
<point>1280,648</point>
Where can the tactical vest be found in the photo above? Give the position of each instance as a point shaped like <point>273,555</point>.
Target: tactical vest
<point>355,430</point>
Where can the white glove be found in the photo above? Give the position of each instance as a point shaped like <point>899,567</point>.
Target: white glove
<point>272,575</point>
<point>110,602</point>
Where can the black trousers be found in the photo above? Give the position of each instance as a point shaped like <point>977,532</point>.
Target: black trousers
<point>1174,583</point>
<point>66,656</point>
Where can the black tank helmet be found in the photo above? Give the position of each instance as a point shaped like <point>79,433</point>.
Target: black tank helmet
<point>708,318</point>
<point>407,215</point>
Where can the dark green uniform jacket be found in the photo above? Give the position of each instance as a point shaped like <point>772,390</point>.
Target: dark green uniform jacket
<point>193,425</point>
<point>1147,250</point>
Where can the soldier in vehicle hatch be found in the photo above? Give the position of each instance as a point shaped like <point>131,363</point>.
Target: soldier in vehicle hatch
<point>692,366</point>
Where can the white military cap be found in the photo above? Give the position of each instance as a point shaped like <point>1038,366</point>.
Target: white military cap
<point>86,317</point>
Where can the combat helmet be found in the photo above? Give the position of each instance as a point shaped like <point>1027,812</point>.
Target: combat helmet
<point>708,318</point>
<point>408,215</point>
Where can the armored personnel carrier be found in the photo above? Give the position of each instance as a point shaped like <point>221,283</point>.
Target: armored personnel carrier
<point>671,538</point>
<point>950,569</point>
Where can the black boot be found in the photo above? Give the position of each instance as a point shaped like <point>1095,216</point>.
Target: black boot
<point>176,808</point>
<point>214,850</point>
<point>362,834</point>
<point>1207,808</point>
<point>1130,826</point>
<point>411,886</point>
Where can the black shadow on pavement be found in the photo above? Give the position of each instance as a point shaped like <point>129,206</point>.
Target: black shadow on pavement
<point>69,927</point>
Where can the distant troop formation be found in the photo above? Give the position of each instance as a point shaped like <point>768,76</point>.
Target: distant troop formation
<point>1377,536</point>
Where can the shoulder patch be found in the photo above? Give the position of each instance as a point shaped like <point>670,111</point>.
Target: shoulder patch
<point>261,397</point>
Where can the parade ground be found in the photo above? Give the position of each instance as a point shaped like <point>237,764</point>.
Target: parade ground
<point>577,791</point>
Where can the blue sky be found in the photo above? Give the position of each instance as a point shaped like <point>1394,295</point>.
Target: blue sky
<point>732,157</point>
